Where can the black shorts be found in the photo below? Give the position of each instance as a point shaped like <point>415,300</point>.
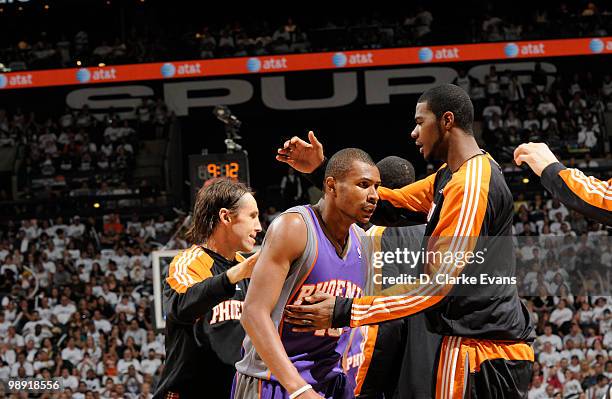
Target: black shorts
<point>478,369</point>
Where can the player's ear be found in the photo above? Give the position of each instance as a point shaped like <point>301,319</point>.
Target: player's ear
<point>224,216</point>
<point>329,184</point>
<point>448,120</point>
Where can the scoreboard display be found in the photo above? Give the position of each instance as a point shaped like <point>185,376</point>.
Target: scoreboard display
<point>203,168</point>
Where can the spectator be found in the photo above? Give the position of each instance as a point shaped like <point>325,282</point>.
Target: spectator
<point>22,363</point>
<point>138,334</point>
<point>587,137</point>
<point>571,351</point>
<point>126,362</point>
<point>151,363</point>
<point>64,310</point>
<point>538,388</point>
<point>68,380</point>
<point>600,390</point>
<point>546,107</point>
<point>532,123</point>
<point>291,189</point>
<point>71,353</point>
<point>549,357</point>
<point>491,109</point>
<point>561,315</point>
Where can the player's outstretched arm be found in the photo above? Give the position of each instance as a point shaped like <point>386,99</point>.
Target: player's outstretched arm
<point>285,241</point>
<point>243,269</point>
<point>414,298</point>
<point>584,194</point>
<point>192,290</point>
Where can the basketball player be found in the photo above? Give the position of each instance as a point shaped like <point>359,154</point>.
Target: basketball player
<point>307,249</point>
<point>204,291</point>
<point>404,347</point>
<point>485,352</point>
<point>584,194</point>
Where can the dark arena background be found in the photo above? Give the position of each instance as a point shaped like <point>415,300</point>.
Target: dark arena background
<point>113,113</point>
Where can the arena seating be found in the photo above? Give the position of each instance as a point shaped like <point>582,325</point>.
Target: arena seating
<point>214,36</point>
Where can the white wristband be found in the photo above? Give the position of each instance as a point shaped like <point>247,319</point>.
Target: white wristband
<point>300,391</point>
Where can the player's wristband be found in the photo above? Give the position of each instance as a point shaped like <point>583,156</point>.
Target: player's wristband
<point>300,391</point>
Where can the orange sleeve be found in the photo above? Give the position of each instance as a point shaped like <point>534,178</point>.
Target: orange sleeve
<point>191,289</point>
<point>188,268</point>
<point>591,190</point>
<point>585,194</point>
<point>461,219</point>
<point>417,196</point>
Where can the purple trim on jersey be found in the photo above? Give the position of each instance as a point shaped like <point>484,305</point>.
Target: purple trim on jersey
<point>317,355</point>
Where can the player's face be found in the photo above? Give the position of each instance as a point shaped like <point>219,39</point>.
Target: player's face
<point>427,132</point>
<point>244,224</point>
<point>356,192</point>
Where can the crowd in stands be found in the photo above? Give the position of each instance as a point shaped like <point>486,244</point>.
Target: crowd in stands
<point>80,154</point>
<point>567,113</point>
<point>421,25</point>
<point>75,301</point>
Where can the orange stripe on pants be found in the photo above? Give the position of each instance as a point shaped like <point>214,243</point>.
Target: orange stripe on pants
<point>456,352</point>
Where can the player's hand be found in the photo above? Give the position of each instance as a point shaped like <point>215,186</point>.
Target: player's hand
<point>243,269</point>
<point>314,313</point>
<point>300,155</point>
<point>537,155</point>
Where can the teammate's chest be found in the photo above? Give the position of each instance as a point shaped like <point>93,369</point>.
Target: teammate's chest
<point>433,216</point>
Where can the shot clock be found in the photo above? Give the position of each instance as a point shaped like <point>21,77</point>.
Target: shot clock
<point>210,166</point>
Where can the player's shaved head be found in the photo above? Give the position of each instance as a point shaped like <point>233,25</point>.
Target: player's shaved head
<point>395,172</point>
<point>341,162</point>
<point>451,98</point>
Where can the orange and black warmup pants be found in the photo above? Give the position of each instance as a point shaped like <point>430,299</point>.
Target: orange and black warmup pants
<point>476,368</point>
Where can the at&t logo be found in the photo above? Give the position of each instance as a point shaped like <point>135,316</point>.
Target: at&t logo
<point>168,70</point>
<point>83,75</point>
<point>339,60</point>
<point>511,50</point>
<point>447,53</point>
<point>596,45</point>
<point>253,64</point>
<point>425,54</point>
